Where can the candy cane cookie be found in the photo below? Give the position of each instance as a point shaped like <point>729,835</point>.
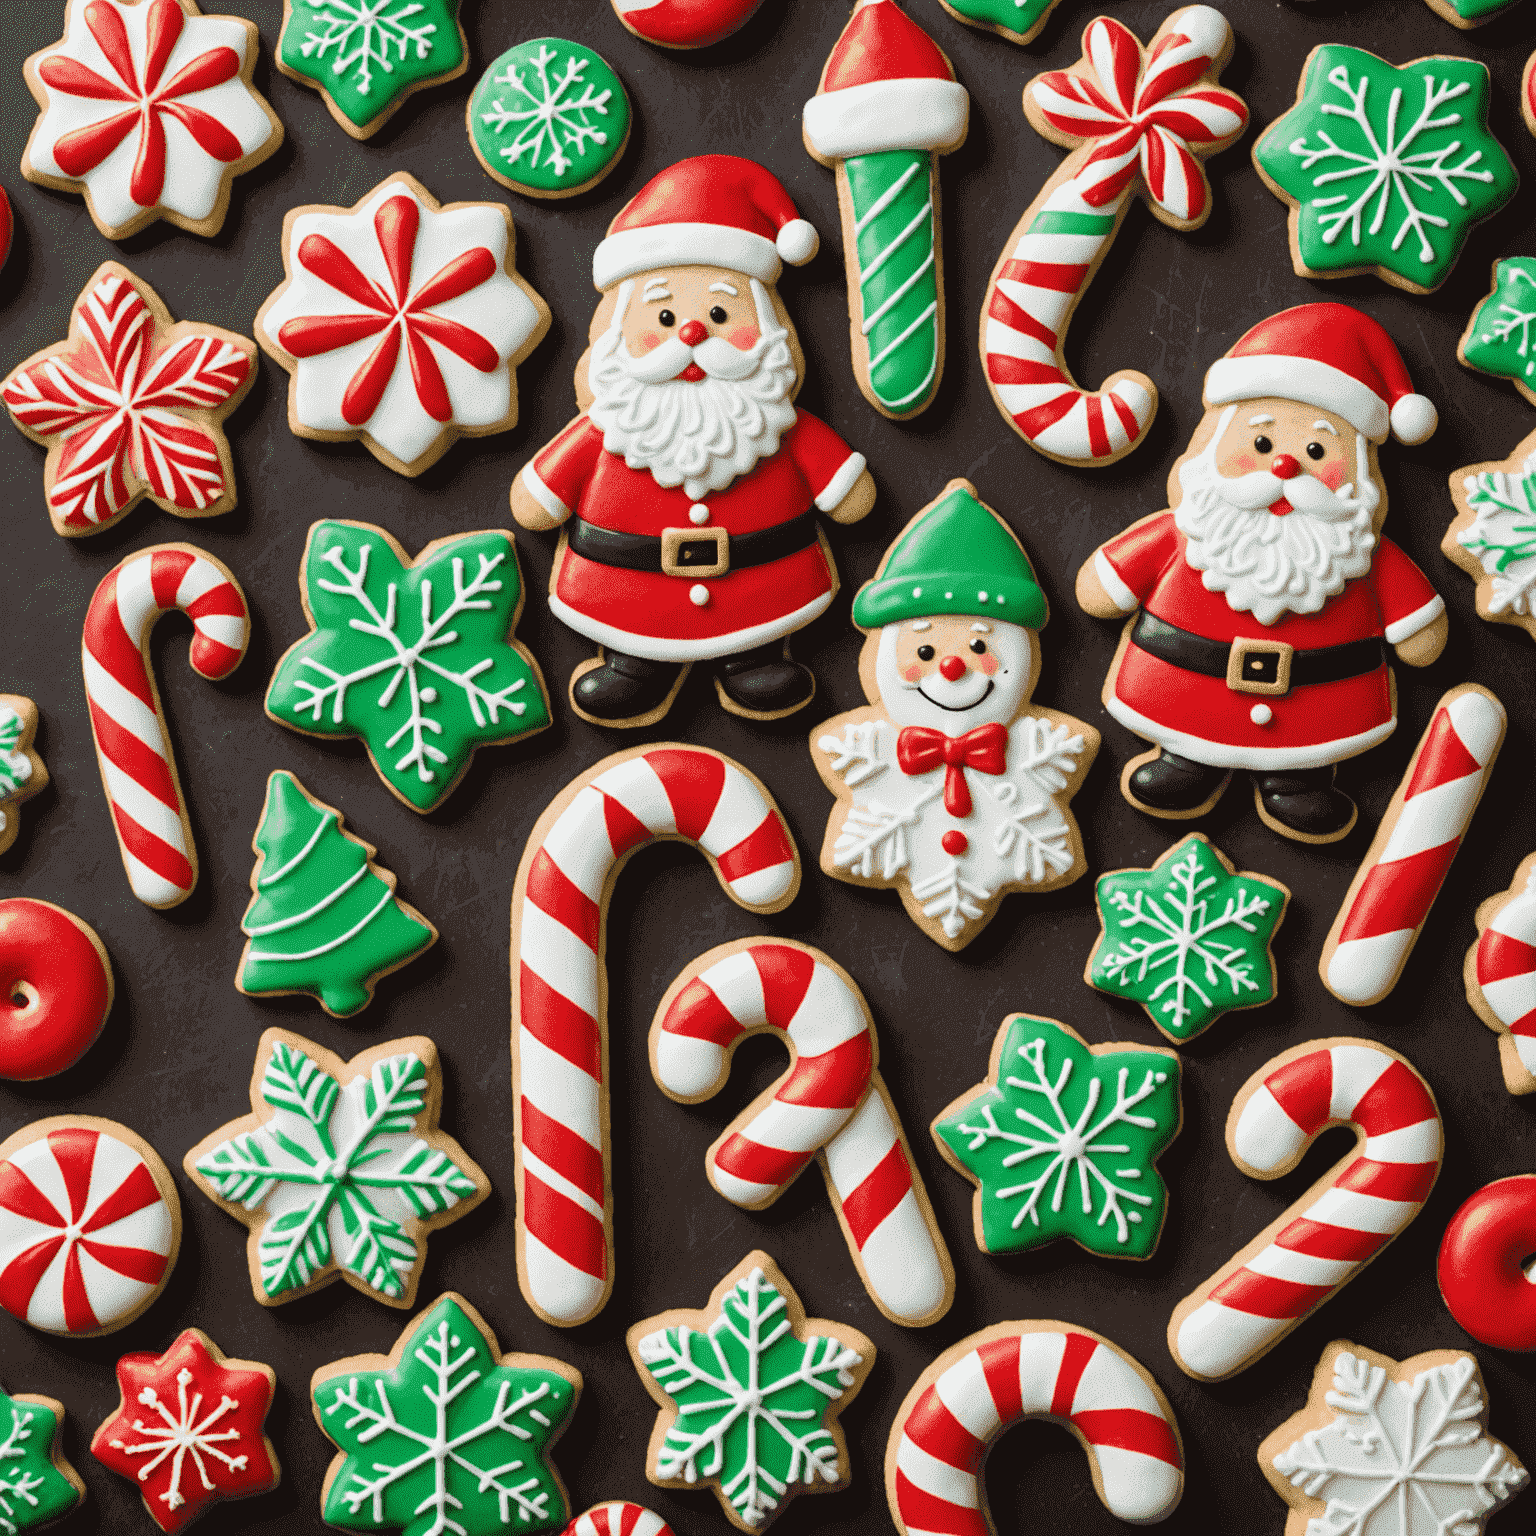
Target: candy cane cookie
<point>831,1104</point>
<point>618,1519</point>
<point>1342,1222</point>
<point>1500,975</point>
<point>559,986</point>
<point>1402,872</point>
<point>138,769</point>
<point>1030,1370</point>
<point>1483,1263</point>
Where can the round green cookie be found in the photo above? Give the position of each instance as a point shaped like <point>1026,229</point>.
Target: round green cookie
<point>549,118</point>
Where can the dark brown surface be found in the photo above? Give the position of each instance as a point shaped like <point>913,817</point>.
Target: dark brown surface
<point>177,1053</point>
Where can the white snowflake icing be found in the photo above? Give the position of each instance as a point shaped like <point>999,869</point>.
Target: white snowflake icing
<point>17,1485</point>
<point>362,32</point>
<point>1388,165</point>
<point>15,767</point>
<point>1503,535</point>
<point>1514,322</point>
<point>1402,1458</point>
<point>553,113</point>
<point>182,1434</point>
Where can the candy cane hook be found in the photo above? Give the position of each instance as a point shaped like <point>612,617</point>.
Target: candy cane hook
<point>1033,1370</point>
<point>559,988</point>
<point>831,1102</point>
<point>1139,121</point>
<point>1347,1217</point>
<point>138,768</point>
<point>618,1519</point>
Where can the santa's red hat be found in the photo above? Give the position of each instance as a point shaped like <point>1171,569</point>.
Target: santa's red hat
<point>1330,356</point>
<point>713,211</point>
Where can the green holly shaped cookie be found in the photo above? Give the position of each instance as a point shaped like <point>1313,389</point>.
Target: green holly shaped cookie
<point>1062,1140</point>
<point>416,657</point>
<point>1386,169</point>
<point>1017,20</point>
<point>1189,939</point>
<point>1498,337</point>
<point>366,56</point>
<point>549,118</point>
<point>445,1433</point>
<point>37,1485</point>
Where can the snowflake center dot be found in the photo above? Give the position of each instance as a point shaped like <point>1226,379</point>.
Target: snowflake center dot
<point>1071,1146</point>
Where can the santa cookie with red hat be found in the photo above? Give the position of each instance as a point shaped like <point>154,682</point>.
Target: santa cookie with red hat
<point>688,487</point>
<point>1267,597</point>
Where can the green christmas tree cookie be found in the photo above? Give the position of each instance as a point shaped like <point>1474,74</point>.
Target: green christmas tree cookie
<point>1189,939</point>
<point>1062,1140</point>
<point>549,118</point>
<point>366,56</point>
<point>323,917</point>
<point>1017,20</point>
<point>445,1433</point>
<point>1498,337</point>
<point>414,656</point>
<point>1386,169</point>
<point>37,1485</point>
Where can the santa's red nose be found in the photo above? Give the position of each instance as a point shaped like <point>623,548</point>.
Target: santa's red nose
<point>694,331</point>
<point>1283,466</point>
<point>953,669</point>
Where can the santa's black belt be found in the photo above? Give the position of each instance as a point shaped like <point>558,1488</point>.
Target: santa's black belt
<point>1255,665</point>
<point>692,552</point>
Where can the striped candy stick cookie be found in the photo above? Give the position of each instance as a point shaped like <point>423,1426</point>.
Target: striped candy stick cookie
<point>1500,975</point>
<point>138,769</point>
<point>1342,1222</point>
<point>1138,121</point>
<point>1030,1370</point>
<point>831,1105</point>
<point>1385,907</point>
<point>559,986</point>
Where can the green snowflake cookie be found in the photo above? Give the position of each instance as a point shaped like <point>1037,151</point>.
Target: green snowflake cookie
<point>445,1433</point>
<point>1498,338</point>
<point>37,1485</point>
<point>414,656</point>
<point>1188,939</point>
<point>323,917</point>
<point>1017,20</point>
<point>549,118</point>
<point>1385,168</point>
<point>1062,1141</point>
<point>366,56</point>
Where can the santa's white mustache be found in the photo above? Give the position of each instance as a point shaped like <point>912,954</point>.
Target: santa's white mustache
<point>715,355</point>
<point>1261,489</point>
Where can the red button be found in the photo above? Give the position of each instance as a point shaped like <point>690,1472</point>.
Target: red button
<point>954,843</point>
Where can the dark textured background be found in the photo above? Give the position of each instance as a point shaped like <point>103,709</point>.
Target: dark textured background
<point>175,1060</point>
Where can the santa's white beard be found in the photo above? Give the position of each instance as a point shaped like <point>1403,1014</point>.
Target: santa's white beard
<point>701,435</point>
<point>1266,565</point>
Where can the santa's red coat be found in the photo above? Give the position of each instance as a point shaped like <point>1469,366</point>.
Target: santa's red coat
<point>1201,718</point>
<point>657,616</point>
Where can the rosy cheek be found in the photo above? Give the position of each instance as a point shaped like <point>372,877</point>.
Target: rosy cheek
<point>1332,475</point>
<point>912,673</point>
<point>650,341</point>
<point>1242,464</point>
<point>744,337</point>
<point>986,664</point>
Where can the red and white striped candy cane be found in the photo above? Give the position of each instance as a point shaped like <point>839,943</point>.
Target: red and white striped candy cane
<point>1402,872</point>
<point>1137,121</point>
<point>138,769</point>
<point>1500,975</point>
<point>1328,1236</point>
<point>559,989</point>
<point>831,1101</point>
<point>618,1519</point>
<point>1032,1370</point>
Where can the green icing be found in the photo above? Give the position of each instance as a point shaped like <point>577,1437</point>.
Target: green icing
<point>321,919</point>
<point>1187,939</point>
<point>366,54</point>
<point>1499,338</point>
<point>449,1440</point>
<point>549,115</point>
<point>1388,167</point>
<point>415,658</point>
<point>1055,221</point>
<point>33,1490</point>
<point>1064,1143</point>
<point>1479,10</point>
<point>895,233</point>
<point>1503,538</point>
<point>15,770</point>
<point>1023,17</point>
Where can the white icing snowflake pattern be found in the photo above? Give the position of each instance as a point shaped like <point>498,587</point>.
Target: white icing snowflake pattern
<point>1503,535</point>
<point>15,767</point>
<point>18,1486</point>
<point>182,1434</point>
<point>555,120</point>
<point>1402,1458</point>
<point>362,32</point>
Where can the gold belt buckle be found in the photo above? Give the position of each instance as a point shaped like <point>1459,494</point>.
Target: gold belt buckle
<point>1260,666</point>
<point>695,551</point>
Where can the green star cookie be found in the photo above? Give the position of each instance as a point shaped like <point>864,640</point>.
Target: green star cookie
<point>1386,169</point>
<point>414,656</point>
<point>1498,337</point>
<point>1188,939</point>
<point>1062,1141</point>
<point>445,1433</point>
<point>366,56</point>
<point>37,1485</point>
<point>1017,20</point>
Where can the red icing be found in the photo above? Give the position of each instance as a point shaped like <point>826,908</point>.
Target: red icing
<point>882,42</point>
<point>689,23</point>
<point>954,843</point>
<point>1481,1264</point>
<point>45,951</point>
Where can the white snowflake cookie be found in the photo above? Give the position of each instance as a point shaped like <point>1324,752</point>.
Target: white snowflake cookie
<point>148,110</point>
<point>402,322</point>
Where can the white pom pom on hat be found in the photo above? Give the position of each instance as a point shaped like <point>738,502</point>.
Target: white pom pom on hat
<point>797,242</point>
<point>1414,418</point>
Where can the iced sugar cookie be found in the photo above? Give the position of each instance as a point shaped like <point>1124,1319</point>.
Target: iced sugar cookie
<point>22,770</point>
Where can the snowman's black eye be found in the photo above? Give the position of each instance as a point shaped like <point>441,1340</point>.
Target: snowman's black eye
<point>925,653</point>
<point>667,318</point>
<point>979,646</point>
<point>1260,444</point>
<point>718,315</point>
<point>1315,450</point>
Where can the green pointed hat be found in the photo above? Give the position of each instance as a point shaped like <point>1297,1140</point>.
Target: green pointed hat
<point>957,557</point>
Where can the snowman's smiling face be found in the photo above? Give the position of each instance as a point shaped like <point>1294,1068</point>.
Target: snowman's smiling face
<point>954,672</point>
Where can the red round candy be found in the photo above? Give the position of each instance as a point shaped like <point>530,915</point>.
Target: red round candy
<point>1482,1264</point>
<point>954,843</point>
<point>55,989</point>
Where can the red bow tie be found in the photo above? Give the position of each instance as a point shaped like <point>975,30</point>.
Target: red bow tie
<point>919,750</point>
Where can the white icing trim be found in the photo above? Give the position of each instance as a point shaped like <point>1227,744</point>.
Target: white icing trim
<point>1109,578</point>
<point>325,949</point>
<point>632,251</point>
<point>841,483</point>
<point>542,494</point>
<point>660,648</point>
<point>1420,618</point>
<point>887,114</point>
<point>1303,379</point>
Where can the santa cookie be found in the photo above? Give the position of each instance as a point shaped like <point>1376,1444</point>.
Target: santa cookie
<point>950,785</point>
<point>1267,595</point>
<point>689,485</point>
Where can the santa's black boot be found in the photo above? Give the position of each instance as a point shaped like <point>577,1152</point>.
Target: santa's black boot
<point>1304,804</point>
<point>1174,785</point>
<point>622,687</point>
<point>764,681</point>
